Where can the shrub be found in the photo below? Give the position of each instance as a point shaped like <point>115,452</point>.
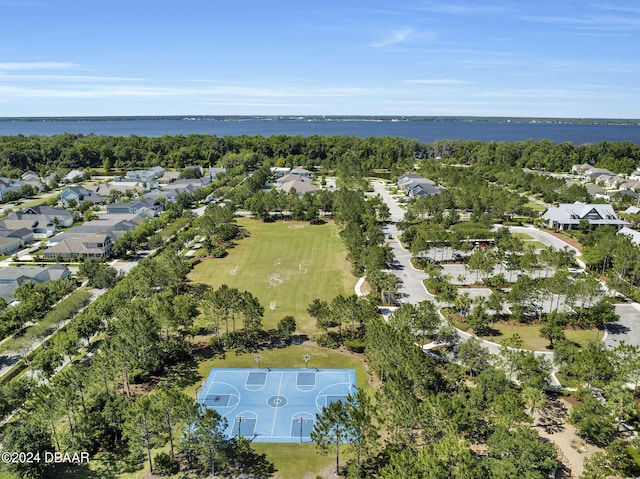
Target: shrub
<point>329,340</point>
<point>165,464</point>
<point>355,345</point>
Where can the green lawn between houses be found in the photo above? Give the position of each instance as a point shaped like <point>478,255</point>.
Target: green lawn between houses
<point>286,265</point>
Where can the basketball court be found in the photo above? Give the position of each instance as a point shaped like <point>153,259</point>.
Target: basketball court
<point>274,405</point>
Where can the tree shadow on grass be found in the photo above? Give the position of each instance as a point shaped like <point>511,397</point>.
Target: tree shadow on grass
<point>490,333</point>
<point>105,465</point>
<point>249,462</point>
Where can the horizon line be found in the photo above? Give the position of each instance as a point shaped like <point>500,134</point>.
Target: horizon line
<point>192,117</point>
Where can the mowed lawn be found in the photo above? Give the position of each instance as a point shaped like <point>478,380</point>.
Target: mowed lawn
<point>531,339</point>
<point>285,264</point>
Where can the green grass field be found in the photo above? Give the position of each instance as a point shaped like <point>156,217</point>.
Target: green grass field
<point>285,265</point>
<point>531,339</point>
<point>530,241</point>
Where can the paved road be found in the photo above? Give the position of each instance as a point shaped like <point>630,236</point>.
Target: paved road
<point>411,289</point>
<point>627,329</point>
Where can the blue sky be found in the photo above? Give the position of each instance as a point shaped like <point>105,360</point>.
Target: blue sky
<point>562,58</point>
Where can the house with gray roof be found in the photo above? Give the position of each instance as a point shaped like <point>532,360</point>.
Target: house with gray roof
<point>59,216</point>
<point>298,185</point>
<point>634,235</point>
<point>136,206</point>
<point>41,229</point>
<point>97,245</point>
<point>9,245</point>
<point>80,194</point>
<point>111,224</point>
<point>13,276</point>
<point>25,235</point>
<point>567,216</point>
<point>73,176</point>
<point>416,185</point>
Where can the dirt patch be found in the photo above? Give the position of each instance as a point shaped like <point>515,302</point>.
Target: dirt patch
<point>569,240</point>
<point>551,424</point>
<point>275,280</point>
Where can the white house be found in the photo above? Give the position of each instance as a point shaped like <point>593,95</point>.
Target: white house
<point>567,216</point>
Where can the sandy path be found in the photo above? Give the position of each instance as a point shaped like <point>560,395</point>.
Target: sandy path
<point>551,424</point>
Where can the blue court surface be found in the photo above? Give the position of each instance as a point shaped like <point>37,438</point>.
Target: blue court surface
<point>274,405</point>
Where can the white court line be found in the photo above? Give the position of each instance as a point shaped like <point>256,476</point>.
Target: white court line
<point>275,409</point>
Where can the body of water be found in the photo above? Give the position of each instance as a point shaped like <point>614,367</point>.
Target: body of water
<point>427,130</point>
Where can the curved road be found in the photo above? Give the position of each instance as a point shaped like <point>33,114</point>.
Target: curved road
<point>413,291</point>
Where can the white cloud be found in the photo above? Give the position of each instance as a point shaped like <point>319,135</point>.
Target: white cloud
<point>19,66</point>
<point>438,81</point>
<point>396,37</point>
<point>466,9</point>
<point>65,78</point>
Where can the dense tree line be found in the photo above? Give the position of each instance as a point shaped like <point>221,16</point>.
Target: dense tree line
<point>351,156</point>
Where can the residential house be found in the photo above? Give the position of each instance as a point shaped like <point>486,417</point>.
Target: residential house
<point>622,194</point>
<point>132,188</point>
<point>13,276</point>
<point>614,181</point>
<point>32,178</point>
<point>633,234</point>
<point>8,184</point>
<point>635,175</point>
<point>291,177</point>
<point>300,186</point>
<point>168,194</point>
<point>114,225</point>
<point>592,173</point>
<point>73,176</point>
<point>299,171</point>
<point>40,229</point>
<point>169,177</point>
<point>416,185</point>
<point>581,169</point>
<point>279,171</point>
<point>51,179</point>
<point>633,185</point>
<point>602,178</point>
<point>25,235</point>
<point>96,245</point>
<point>9,245</point>
<point>79,194</point>
<point>213,173</point>
<point>133,207</point>
<point>593,189</point>
<point>59,216</point>
<point>149,175</point>
<point>568,216</point>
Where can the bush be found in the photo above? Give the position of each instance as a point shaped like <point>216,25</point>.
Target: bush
<point>329,340</point>
<point>165,465</point>
<point>355,345</point>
